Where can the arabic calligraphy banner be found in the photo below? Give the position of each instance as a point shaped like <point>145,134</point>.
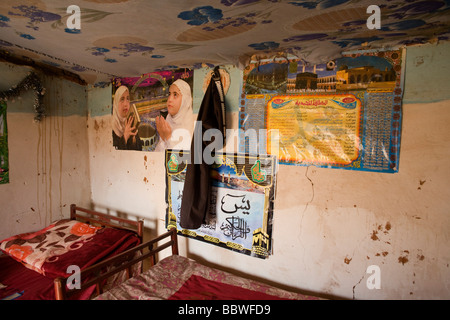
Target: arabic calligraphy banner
<point>241,208</point>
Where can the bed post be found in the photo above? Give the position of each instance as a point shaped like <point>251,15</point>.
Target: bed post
<point>72,211</point>
<point>173,237</point>
<point>152,257</point>
<point>141,230</point>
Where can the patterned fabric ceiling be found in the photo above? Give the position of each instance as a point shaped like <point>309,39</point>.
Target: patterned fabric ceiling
<point>125,38</point>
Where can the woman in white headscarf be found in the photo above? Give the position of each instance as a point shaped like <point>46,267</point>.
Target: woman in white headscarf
<point>176,130</point>
<point>125,136</point>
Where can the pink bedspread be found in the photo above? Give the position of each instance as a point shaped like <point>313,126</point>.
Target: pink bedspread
<point>52,250</point>
<point>177,277</point>
<point>199,288</point>
<point>48,253</point>
<point>22,283</point>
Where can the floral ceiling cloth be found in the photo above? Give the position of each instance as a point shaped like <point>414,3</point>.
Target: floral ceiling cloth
<point>126,38</point>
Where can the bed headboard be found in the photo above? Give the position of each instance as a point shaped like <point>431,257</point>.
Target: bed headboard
<point>94,217</point>
<point>99,272</point>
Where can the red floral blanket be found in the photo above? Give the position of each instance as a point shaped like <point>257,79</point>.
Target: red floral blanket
<point>177,277</point>
<point>21,283</point>
<point>199,288</point>
<point>53,249</point>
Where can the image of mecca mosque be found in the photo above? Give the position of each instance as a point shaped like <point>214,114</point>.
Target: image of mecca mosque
<point>323,78</point>
<point>275,78</point>
<point>267,78</point>
<point>365,77</point>
<point>320,78</point>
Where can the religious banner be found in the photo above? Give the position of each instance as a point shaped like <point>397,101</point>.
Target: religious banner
<point>241,206</point>
<point>4,163</point>
<point>342,114</point>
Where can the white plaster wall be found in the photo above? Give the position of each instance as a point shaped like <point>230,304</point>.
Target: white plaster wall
<point>330,224</point>
<point>48,162</point>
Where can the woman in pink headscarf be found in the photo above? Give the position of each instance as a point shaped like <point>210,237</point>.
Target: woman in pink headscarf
<point>176,130</point>
<point>125,136</point>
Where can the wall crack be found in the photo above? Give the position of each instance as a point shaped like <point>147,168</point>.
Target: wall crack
<point>312,187</point>
<point>356,285</point>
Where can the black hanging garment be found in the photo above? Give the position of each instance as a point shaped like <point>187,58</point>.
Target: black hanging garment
<point>197,185</point>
